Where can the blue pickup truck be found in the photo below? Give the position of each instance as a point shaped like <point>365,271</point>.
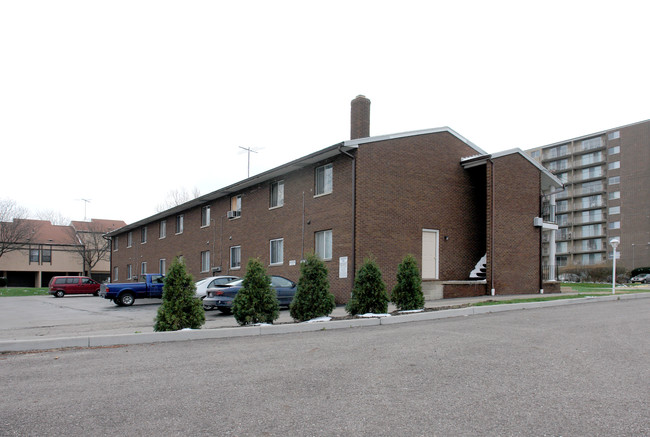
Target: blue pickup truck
<point>124,294</point>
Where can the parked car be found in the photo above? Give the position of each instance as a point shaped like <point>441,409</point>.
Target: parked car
<point>642,278</point>
<point>124,294</point>
<point>221,297</point>
<point>211,282</point>
<point>59,286</point>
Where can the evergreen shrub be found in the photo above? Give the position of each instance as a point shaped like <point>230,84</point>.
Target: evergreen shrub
<point>313,298</point>
<point>179,309</point>
<point>256,302</point>
<point>407,293</point>
<point>369,292</point>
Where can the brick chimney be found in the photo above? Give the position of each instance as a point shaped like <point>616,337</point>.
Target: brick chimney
<point>360,118</point>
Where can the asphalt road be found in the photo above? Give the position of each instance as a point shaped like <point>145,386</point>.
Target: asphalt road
<point>572,370</point>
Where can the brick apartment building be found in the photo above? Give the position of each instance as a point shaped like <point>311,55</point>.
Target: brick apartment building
<point>431,193</point>
<point>607,179</point>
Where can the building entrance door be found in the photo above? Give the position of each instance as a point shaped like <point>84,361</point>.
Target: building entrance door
<point>429,254</point>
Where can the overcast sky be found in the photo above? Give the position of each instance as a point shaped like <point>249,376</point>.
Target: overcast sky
<point>120,102</point>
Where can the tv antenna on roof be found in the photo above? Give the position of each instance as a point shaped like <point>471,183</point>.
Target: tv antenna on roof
<point>86,202</point>
<point>249,150</point>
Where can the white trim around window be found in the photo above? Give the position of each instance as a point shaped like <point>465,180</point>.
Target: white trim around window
<point>235,257</point>
<point>276,248</point>
<point>323,244</point>
<point>205,261</point>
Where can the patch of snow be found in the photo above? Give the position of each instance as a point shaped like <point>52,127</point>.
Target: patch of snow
<point>261,324</point>
<point>373,315</point>
<point>319,319</point>
<point>411,311</point>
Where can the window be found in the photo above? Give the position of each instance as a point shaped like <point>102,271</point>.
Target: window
<point>277,251</point>
<point>591,258</point>
<point>34,255</point>
<point>562,206</point>
<point>591,172</point>
<point>115,240</point>
<point>323,183</point>
<point>205,216</point>
<point>591,158</point>
<point>129,239</point>
<point>614,165</point>
<point>562,219</point>
<point>591,187</point>
<point>162,230</point>
<point>562,247</point>
<point>614,195</point>
<point>614,180</point>
<point>614,210</point>
<point>591,201</point>
<point>143,268</point>
<point>561,261</point>
<point>591,231</point>
<point>129,271</point>
<point>614,135</point>
<point>563,177</point>
<point>235,257</point>
<point>562,164</point>
<point>558,151</point>
<point>595,215</point>
<point>592,143</point>
<point>205,261</point>
<point>277,194</point>
<point>143,235</point>
<point>591,245</point>
<point>116,274</point>
<point>614,225</point>
<point>324,244</point>
<point>235,207</point>
<point>46,255</point>
<point>535,154</point>
<point>614,150</point>
<point>179,223</point>
<point>162,266</point>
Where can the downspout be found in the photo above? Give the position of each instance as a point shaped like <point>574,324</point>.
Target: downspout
<point>110,255</point>
<point>302,247</point>
<point>492,291</point>
<point>354,207</point>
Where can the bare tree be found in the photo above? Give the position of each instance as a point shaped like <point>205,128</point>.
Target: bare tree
<point>14,230</point>
<point>177,197</point>
<point>94,247</point>
<point>55,217</point>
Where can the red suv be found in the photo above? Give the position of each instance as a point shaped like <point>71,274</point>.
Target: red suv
<point>62,285</point>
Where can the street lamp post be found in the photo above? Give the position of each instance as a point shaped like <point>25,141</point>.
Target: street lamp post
<point>614,243</point>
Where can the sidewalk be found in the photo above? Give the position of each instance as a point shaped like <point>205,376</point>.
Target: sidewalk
<point>219,326</point>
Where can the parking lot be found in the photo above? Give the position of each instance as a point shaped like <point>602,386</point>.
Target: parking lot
<point>35,317</point>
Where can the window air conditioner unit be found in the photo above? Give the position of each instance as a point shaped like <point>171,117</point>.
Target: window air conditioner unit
<point>233,214</point>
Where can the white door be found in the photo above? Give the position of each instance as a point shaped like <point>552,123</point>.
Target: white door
<point>429,254</point>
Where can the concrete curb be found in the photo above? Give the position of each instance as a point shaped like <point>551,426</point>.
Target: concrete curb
<point>244,331</point>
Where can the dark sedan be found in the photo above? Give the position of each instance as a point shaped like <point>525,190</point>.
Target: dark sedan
<point>221,297</point>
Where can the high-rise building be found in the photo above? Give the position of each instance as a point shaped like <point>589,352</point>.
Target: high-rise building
<point>606,196</point>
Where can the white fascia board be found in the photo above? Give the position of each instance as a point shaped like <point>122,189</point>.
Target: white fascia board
<point>358,141</point>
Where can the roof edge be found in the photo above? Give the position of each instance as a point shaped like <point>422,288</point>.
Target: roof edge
<point>357,142</point>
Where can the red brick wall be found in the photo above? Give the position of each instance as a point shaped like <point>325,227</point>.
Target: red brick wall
<point>255,228</point>
<point>516,241</point>
<point>405,185</point>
